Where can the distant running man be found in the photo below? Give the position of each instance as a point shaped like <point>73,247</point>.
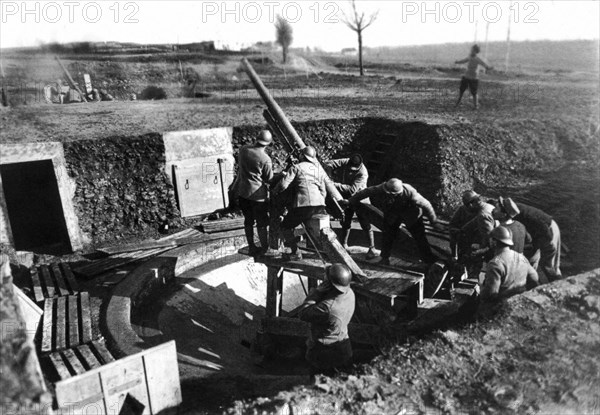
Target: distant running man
<point>470,78</point>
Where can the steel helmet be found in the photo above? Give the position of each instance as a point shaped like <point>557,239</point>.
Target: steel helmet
<point>339,275</point>
<point>469,196</point>
<point>393,186</point>
<point>309,151</point>
<point>264,138</point>
<point>502,235</point>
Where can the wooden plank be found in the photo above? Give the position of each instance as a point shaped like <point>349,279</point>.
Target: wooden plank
<point>74,392</point>
<point>59,365</point>
<point>61,323</point>
<point>308,267</point>
<point>162,378</point>
<point>38,294</point>
<point>102,351</point>
<point>125,376</point>
<point>61,284</point>
<point>100,267</point>
<point>274,291</point>
<point>31,313</point>
<point>73,320</point>
<point>89,359</point>
<point>86,317</point>
<point>47,280</point>
<point>337,253</point>
<point>222,225</point>
<point>66,269</point>
<point>73,361</point>
<point>111,250</point>
<point>47,325</point>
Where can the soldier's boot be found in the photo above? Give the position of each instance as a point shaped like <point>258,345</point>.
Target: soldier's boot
<point>344,237</point>
<point>263,237</point>
<point>252,248</point>
<point>371,254</point>
<point>290,240</point>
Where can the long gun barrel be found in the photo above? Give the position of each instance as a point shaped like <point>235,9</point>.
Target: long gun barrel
<point>284,125</point>
<point>70,80</point>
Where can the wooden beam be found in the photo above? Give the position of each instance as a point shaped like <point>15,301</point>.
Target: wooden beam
<point>37,285</point>
<point>337,253</point>
<point>274,291</point>
<point>307,267</point>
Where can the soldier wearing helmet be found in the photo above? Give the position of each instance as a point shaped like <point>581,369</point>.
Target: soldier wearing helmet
<point>251,186</point>
<point>505,212</point>
<point>352,177</point>
<point>509,272</point>
<point>402,204</point>
<point>329,308</point>
<point>307,180</point>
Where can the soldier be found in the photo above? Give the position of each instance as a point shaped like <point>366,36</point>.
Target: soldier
<point>329,308</point>
<point>477,230</point>
<point>403,204</point>
<point>509,272</point>
<point>545,235</point>
<point>353,177</point>
<point>307,180</point>
<point>505,212</point>
<point>255,173</point>
<point>459,245</point>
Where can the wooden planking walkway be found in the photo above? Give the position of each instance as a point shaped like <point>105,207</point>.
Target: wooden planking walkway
<point>385,285</point>
<point>75,361</point>
<point>67,322</point>
<point>55,280</point>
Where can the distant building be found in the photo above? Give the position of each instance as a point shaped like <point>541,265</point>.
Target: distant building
<point>349,51</point>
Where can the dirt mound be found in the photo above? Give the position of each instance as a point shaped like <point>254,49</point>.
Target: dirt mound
<point>537,355</point>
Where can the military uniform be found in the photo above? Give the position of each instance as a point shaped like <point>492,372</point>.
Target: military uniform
<point>508,273</point>
<point>329,311</point>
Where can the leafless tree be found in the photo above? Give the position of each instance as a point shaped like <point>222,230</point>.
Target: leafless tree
<point>284,35</point>
<point>358,22</point>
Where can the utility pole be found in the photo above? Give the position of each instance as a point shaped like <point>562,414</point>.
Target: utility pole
<point>506,61</point>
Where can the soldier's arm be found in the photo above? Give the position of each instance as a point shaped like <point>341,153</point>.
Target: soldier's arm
<point>493,279</point>
<point>359,182</point>
<point>421,202</point>
<point>363,194</point>
<point>533,279</point>
<point>315,313</point>
<point>285,182</point>
<point>485,224</point>
<point>337,163</point>
<point>267,172</point>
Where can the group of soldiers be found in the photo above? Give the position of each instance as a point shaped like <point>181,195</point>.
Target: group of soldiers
<point>514,239</point>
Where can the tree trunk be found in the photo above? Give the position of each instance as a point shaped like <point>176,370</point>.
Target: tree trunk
<point>284,49</point>
<point>360,62</point>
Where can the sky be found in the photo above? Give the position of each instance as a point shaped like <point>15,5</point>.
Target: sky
<point>315,23</point>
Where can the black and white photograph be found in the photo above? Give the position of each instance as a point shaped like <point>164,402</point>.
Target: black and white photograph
<point>299,207</point>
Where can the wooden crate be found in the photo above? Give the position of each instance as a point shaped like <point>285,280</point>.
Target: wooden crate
<point>55,280</point>
<point>67,322</point>
<point>147,381</point>
<point>78,360</point>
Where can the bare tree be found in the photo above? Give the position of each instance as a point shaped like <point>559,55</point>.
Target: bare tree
<point>284,35</point>
<point>358,22</point>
